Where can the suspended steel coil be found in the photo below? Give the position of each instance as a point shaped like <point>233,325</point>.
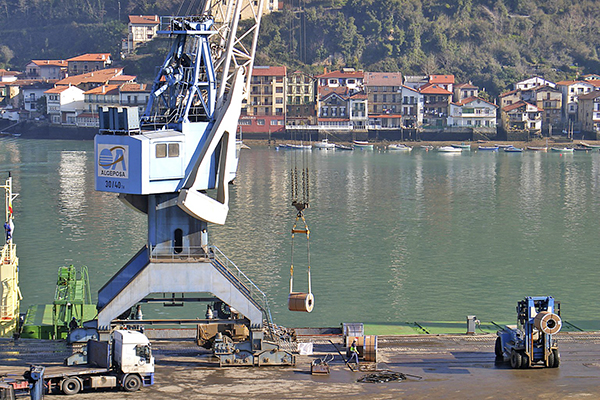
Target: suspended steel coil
<point>301,302</point>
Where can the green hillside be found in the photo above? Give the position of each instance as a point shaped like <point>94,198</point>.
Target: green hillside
<point>489,42</point>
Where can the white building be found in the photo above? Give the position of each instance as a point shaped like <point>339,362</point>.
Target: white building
<point>533,82</point>
<point>63,103</point>
<point>571,90</point>
<point>46,69</point>
<point>32,94</point>
<point>473,112</point>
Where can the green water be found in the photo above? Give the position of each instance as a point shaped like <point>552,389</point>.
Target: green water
<point>394,237</point>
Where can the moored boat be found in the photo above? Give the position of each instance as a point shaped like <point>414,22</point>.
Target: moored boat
<point>534,148</point>
<point>562,149</point>
<point>449,149</point>
<point>400,147</point>
<point>488,148</point>
<point>325,145</point>
<point>343,147</point>
<point>360,144</point>
<point>513,149</point>
<point>591,146</point>
<point>463,146</point>
<point>427,147</point>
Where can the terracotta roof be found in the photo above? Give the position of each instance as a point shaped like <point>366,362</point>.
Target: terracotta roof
<point>59,89</point>
<point>258,70</point>
<point>104,89</point>
<point>594,82</point>
<point>91,57</point>
<point>433,89</point>
<point>472,99</point>
<point>568,83</point>
<point>340,91</point>
<point>589,96</point>
<point>54,63</point>
<point>4,72</point>
<point>123,78</point>
<point>343,74</point>
<point>134,87</point>
<point>519,104</point>
<point>100,76</point>
<point>445,79</point>
<point>383,78</point>
<point>510,92</point>
<point>359,95</point>
<point>144,19</point>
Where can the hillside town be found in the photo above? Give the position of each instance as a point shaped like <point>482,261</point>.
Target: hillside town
<point>281,101</point>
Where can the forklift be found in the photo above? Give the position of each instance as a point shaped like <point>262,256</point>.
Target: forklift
<point>532,340</point>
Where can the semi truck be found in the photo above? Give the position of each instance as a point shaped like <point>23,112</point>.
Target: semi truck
<point>125,362</point>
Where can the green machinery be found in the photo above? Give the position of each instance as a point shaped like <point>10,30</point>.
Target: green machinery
<point>72,299</point>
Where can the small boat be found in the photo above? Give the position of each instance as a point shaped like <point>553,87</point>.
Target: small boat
<point>362,144</point>
<point>427,147</point>
<point>591,146</point>
<point>400,147</point>
<point>299,146</point>
<point>342,147</point>
<point>562,149</point>
<point>533,148</point>
<point>503,146</point>
<point>513,149</point>
<point>463,146</point>
<point>325,145</point>
<point>583,148</point>
<point>449,149</point>
<point>488,148</point>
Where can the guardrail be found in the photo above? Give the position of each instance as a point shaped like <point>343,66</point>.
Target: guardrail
<point>231,270</point>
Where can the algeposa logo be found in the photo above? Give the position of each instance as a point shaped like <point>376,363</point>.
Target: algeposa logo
<point>113,161</point>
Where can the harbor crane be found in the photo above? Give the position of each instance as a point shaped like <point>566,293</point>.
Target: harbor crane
<point>174,164</point>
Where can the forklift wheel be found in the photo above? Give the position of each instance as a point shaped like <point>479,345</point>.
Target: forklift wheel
<point>515,359</point>
<point>524,360</point>
<point>498,348</point>
<point>554,359</point>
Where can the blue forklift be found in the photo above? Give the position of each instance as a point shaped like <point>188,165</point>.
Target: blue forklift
<point>532,340</point>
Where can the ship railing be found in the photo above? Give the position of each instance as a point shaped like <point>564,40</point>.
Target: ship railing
<point>227,267</point>
<point>9,253</point>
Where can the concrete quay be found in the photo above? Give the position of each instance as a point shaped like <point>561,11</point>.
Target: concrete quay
<point>450,367</point>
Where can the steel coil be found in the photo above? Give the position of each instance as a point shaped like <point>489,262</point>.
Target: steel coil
<point>547,322</point>
<point>303,302</point>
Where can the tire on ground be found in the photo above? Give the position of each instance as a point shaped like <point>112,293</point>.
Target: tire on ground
<point>132,383</point>
<point>70,386</point>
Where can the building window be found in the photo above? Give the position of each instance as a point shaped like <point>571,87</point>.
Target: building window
<point>260,122</point>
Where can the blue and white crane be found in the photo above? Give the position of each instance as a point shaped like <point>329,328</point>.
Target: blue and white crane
<point>174,164</point>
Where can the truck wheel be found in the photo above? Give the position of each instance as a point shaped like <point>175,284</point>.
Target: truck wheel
<point>70,386</point>
<point>498,348</point>
<point>524,360</point>
<point>132,383</point>
<point>515,359</point>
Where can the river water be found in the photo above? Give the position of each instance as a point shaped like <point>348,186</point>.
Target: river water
<point>395,237</point>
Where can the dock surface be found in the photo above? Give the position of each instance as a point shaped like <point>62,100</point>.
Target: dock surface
<point>451,367</point>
